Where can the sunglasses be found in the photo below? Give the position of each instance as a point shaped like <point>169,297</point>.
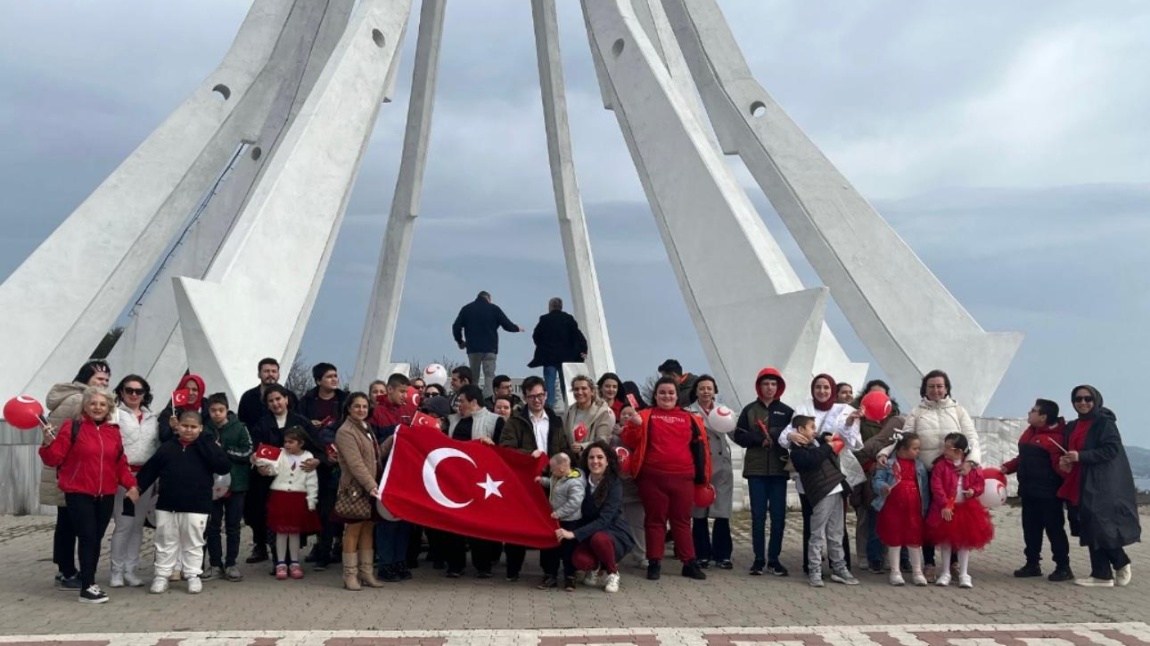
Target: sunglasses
<point>1089,399</point>
<point>134,391</point>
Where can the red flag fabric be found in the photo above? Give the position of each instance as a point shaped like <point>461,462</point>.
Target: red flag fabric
<point>267,452</point>
<point>181,397</point>
<point>468,488</point>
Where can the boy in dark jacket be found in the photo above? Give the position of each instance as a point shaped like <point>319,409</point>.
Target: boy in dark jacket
<point>185,467</point>
<point>818,466</point>
<point>1041,446</point>
<point>228,509</point>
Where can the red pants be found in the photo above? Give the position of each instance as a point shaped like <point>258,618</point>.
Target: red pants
<point>668,498</point>
<point>596,552</point>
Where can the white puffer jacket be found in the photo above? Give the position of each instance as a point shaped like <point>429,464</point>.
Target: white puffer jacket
<point>933,421</point>
<point>141,436</point>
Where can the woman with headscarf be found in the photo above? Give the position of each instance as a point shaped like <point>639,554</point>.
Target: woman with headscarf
<point>168,418</point>
<point>1099,489</point>
<point>713,544</point>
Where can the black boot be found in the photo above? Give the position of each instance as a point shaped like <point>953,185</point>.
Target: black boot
<point>402,571</point>
<point>653,568</point>
<point>1061,573</point>
<point>691,570</point>
<point>1028,570</point>
<point>259,554</point>
<point>387,574</point>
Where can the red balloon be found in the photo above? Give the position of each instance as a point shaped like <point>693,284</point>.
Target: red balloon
<point>23,412</point>
<point>704,495</point>
<point>991,473</point>
<point>876,406</point>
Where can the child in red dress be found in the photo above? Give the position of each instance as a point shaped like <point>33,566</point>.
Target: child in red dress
<point>957,520</point>
<point>291,504</point>
<point>901,500</point>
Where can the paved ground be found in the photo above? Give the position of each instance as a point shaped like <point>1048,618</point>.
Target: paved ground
<point>29,604</point>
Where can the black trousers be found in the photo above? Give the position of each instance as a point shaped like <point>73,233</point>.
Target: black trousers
<point>90,518</point>
<point>516,555</point>
<point>454,551</point>
<point>484,554</point>
<point>808,509</point>
<point>256,507</point>
<point>1045,515</point>
<point>225,514</point>
<point>64,543</point>
<point>1104,561</point>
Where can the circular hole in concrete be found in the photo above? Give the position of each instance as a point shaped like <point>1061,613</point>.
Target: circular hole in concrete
<point>257,152</point>
<point>222,92</point>
<point>617,47</point>
<point>377,36</point>
<point>758,109</point>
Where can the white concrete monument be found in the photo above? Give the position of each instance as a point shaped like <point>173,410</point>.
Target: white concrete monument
<point>251,175</point>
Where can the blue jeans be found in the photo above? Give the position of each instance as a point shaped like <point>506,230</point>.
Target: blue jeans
<point>553,380</point>
<point>391,541</point>
<point>874,546</point>
<point>768,493</point>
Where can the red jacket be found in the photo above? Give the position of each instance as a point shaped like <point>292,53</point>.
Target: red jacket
<point>944,485</point>
<point>634,436</point>
<point>386,413</point>
<point>95,464</point>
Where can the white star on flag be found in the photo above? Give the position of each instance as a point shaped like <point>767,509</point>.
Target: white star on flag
<point>490,487</point>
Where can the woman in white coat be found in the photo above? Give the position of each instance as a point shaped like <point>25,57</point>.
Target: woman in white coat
<point>141,435</point>
<point>834,418</point>
<point>713,543</point>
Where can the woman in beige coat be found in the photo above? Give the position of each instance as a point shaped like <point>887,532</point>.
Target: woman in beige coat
<point>359,463</point>
<point>590,412</point>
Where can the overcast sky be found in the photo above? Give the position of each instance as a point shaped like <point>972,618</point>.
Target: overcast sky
<point>1008,143</point>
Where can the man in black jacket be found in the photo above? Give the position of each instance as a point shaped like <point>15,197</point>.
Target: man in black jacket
<point>252,407</point>
<point>558,340</point>
<point>476,331</point>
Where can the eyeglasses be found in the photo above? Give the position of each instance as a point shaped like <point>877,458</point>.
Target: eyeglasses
<point>1089,399</point>
<point>536,396</point>
<point>134,391</point>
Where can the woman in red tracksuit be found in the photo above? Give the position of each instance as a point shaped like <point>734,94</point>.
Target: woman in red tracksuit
<point>669,457</point>
<point>91,465</point>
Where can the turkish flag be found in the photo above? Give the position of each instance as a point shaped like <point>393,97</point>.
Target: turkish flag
<point>181,397</point>
<point>267,452</point>
<point>468,488</point>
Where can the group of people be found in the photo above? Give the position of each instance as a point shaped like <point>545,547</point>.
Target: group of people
<point>307,468</point>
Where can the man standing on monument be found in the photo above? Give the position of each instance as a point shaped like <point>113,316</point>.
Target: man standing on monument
<point>251,408</point>
<point>558,340</point>
<point>476,331</point>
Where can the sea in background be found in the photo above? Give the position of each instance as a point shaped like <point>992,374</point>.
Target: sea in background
<point>1143,484</point>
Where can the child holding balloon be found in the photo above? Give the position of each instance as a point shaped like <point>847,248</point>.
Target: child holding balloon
<point>957,520</point>
<point>902,501</point>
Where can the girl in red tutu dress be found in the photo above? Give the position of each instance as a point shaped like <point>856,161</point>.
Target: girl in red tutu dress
<point>901,490</point>
<point>291,504</point>
<point>957,520</point>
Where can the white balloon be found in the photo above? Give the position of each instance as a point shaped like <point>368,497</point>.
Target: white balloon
<point>994,495</point>
<point>435,374</point>
<point>722,419</point>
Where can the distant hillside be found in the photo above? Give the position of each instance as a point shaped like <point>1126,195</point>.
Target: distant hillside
<point>1139,461</point>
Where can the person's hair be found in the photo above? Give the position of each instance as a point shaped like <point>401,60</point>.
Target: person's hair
<point>276,388</point>
<point>561,457</point>
<point>876,382</point>
<point>609,476</point>
<point>84,375</point>
<point>665,380</point>
<point>463,372</point>
<point>296,433</point>
<point>1047,409</point>
<point>377,382</point>
<point>320,369</point>
<point>267,361</point>
<point>905,441</point>
<point>438,390</point>
<point>193,416</point>
<point>931,375</point>
<point>672,366</point>
<point>959,441</point>
<point>531,382</point>
<point>506,398</point>
<point>620,396</point>
<point>397,380</point>
<point>839,388</point>
<point>346,412</point>
<point>590,384</point>
<point>218,398</point>
<point>484,294</point>
<point>694,396</point>
<point>96,391</point>
<point>472,392</point>
<point>412,381</point>
<point>147,400</point>
<point>555,304</point>
<point>499,380</point>
<point>799,421</point>
<point>631,388</point>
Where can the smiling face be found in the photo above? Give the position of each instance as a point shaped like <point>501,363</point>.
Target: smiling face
<point>1083,401</point>
<point>357,409</point>
<point>503,407</point>
<point>596,461</point>
<point>705,391</point>
<point>99,379</point>
<point>536,398</point>
<point>132,394</point>
<point>846,393</point>
<point>98,408</point>
<point>822,390</point>
<point>193,389</point>
<point>666,396</point>
<point>936,389</point>
<point>609,390</point>
<point>952,453</point>
<point>277,404</point>
<point>581,389</point>
<point>377,390</point>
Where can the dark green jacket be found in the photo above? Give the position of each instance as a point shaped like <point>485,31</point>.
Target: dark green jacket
<point>233,436</point>
<point>757,422</point>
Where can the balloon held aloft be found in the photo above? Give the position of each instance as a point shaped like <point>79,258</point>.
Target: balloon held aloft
<point>24,412</point>
<point>876,406</point>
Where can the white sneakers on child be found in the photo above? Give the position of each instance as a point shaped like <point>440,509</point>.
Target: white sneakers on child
<point>195,585</point>
<point>964,581</point>
<point>943,579</point>
<point>117,579</point>
<point>919,579</point>
<point>159,585</point>
<point>612,583</point>
<point>131,579</point>
<point>896,578</point>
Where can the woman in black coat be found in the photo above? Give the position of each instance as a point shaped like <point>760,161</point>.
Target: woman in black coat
<point>603,536</point>
<point>1099,487</point>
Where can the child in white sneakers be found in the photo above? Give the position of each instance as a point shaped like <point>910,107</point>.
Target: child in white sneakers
<point>292,502</point>
<point>902,498</point>
<point>185,468</point>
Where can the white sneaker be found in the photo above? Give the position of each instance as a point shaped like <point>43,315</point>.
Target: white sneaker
<point>592,579</point>
<point>117,579</point>
<point>132,579</point>
<point>919,579</point>
<point>1091,582</point>
<point>195,585</point>
<point>896,578</point>
<point>159,585</point>
<point>612,583</point>
<point>1122,576</point>
<point>943,579</point>
<point>964,581</point>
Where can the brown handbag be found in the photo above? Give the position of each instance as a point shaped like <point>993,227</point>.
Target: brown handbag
<point>352,502</point>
